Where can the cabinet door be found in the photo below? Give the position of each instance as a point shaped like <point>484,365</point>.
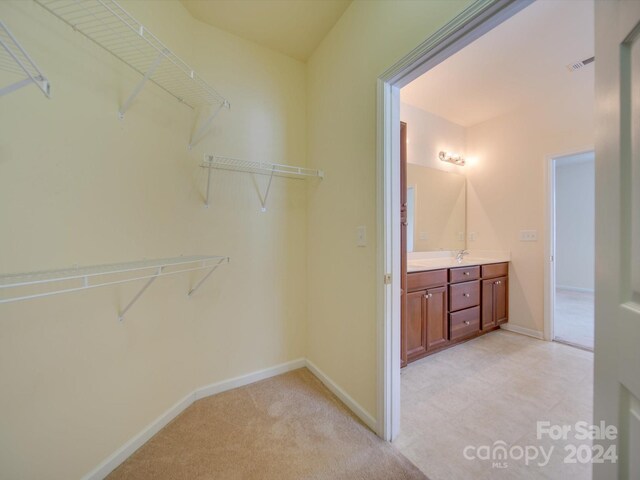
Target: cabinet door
<point>501,300</point>
<point>416,335</point>
<point>436,318</point>
<point>488,316</point>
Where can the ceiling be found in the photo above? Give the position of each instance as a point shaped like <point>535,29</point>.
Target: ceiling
<point>520,61</point>
<point>292,27</point>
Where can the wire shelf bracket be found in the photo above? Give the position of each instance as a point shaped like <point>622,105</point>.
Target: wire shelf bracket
<point>212,162</point>
<point>83,278</point>
<point>111,27</point>
<point>17,62</point>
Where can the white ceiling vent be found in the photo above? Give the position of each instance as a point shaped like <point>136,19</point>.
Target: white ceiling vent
<point>572,67</point>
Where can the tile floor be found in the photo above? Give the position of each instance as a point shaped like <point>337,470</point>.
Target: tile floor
<point>494,388</point>
<point>573,320</point>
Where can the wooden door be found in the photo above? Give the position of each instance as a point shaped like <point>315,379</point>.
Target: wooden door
<point>403,243</point>
<point>500,300</point>
<point>617,301</point>
<point>416,335</point>
<point>436,319</point>
<point>488,314</point>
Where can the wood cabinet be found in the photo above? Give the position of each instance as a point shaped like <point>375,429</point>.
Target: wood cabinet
<point>495,301</point>
<point>426,323</point>
<point>436,318</point>
<point>448,306</point>
<point>415,325</point>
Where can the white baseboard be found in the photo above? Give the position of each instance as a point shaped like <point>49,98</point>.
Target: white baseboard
<point>575,289</point>
<point>523,331</point>
<point>354,406</point>
<point>243,380</point>
<point>124,452</point>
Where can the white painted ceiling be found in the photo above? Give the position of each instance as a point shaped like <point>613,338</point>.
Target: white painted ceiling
<point>519,62</point>
<point>292,27</point>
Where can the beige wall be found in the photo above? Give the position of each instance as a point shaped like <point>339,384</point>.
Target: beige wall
<point>342,74</point>
<point>428,135</point>
<point>79,186</point>
<point>507,186</point>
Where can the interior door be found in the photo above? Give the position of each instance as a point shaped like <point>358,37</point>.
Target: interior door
<point>617,326</point>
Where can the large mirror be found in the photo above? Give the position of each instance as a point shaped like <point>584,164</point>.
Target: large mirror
<point>436,209</point>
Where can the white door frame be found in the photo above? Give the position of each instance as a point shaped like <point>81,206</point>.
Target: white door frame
<point>550,240</point>
<point>476,20</point>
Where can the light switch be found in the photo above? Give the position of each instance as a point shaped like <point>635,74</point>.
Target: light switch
<point>361,233</point>
<point>528,235</point>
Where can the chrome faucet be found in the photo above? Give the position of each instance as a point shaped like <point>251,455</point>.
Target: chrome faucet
<point>460,255</point>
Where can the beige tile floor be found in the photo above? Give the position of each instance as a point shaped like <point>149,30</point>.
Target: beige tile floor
<point>494,388</point>
<point>573,319</point>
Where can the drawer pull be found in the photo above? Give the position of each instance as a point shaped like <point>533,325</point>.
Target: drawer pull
<point>467,322</point>
<point>466,273</point>
<point>465,295</point>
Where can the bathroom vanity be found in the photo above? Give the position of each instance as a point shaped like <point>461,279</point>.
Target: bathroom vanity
<point>446,298</point>
<point>449,302</point>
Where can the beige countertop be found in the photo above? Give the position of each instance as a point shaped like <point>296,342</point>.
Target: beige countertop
<point>439,262</point>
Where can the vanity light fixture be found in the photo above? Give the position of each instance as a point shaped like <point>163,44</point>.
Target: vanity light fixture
<point>454,158</point>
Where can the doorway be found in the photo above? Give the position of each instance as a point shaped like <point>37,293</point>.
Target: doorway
<point>573,259</point>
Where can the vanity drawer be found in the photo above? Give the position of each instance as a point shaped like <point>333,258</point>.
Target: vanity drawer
<point>423,280</point>
<point>464,323</point>
<point>464,274</point>
<point>464,295</point>
<point>495,270</point>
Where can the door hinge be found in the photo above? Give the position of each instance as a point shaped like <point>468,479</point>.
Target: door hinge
<point>387,279</point>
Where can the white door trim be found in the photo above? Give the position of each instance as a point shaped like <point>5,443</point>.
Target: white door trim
<point>476,20</point>
<point>550,240</point>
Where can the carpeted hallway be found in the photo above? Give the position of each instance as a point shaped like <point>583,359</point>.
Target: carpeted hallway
<point>286,427</point>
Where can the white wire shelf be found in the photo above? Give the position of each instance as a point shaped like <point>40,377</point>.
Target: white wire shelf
<point>15,61</point>
<point>109,25</point>
<point>261,168</point>
<point>18,286</point>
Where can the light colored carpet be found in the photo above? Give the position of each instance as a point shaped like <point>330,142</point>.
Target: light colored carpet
<point>286,427</point>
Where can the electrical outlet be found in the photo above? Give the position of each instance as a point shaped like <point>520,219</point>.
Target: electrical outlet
<point>528,235</point>
<point>473,236</point>
<point>461,236</point>
<point>361,233</point>
<point>423,235</point>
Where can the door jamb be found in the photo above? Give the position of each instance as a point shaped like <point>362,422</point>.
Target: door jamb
<point>550,238</point>
<point>473,22</point>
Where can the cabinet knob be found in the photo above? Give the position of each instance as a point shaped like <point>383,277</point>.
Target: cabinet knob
<point>498,282</point>
<point>467,322</point>
<point>465,294</point>
<point>466,273</point>
<point>430,295</point>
